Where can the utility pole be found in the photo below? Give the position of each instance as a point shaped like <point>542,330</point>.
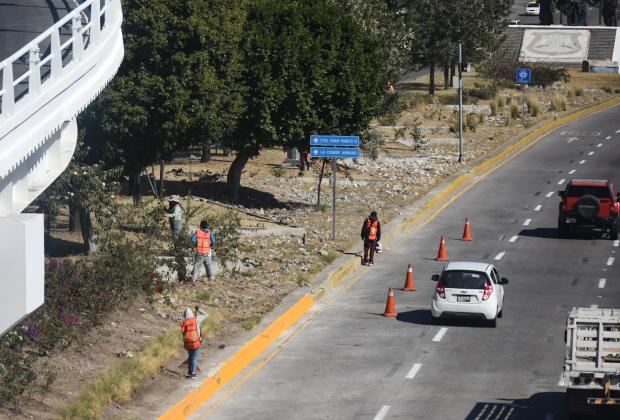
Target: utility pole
<point>460,104</point>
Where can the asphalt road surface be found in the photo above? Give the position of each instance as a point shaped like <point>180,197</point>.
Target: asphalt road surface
<point>22,20</point>
<point>346,361</point>
<point>518,12</point>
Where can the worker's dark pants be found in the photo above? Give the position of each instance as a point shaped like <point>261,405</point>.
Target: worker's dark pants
<point>369,245</point>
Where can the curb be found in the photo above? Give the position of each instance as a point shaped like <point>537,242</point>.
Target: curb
<point>418,217</point>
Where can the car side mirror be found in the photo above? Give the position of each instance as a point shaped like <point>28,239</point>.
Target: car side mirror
<point>503,280</point>
<point>435,277</point>
<point>561,194</point>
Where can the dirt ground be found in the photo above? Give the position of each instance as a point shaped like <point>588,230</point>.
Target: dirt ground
<point>273,266</point>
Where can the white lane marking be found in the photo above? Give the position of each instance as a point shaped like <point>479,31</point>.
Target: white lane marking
<point>610,260</point>
<point>607,138</point>
<point>581,162</point>
<point>572,171</point>
<point>561,181</point>
<point>382,413</point>
<point>562,381</point>
<point>500,256</point>
<point>593,306</point>
<point>414,370</point>
<point>501,238</point>
<point>514,238</point>
<point>549,194</point>
<point>601,283</point>
<point>538,207</point>
<point>617,242</point>
<point>590,153</point>
<point>617,131</point>
<point>600,144</point>
<point>527,222</point>
<point>572,139</point>
<point>440,334</point>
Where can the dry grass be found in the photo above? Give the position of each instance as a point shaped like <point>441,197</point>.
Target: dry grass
<point>595,80</point>
<point>558,102</point>
<point>534,106</point>
<point>120,381</point>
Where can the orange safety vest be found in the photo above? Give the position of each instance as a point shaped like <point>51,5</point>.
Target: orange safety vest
<point>372,229</point>
<point>203,241</point>
<point>191,336</point>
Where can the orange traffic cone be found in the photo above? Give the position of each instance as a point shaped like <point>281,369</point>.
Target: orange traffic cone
<point>390,306</point>
<point>467,231</point>
<point>442,255</point>
<point>409,283</point>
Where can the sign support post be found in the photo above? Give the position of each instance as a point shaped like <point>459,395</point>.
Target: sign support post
<point>334,169</point>
<point>524,78</point>
<point>460,104</point>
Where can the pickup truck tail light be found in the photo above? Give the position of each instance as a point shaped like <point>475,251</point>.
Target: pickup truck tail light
<point>441,290</point>
<point>488,290</point>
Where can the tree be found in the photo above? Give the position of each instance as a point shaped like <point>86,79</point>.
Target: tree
<point>178,84</point>
<point>310,68</point>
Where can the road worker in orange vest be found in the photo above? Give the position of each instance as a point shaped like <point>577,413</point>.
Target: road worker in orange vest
<point>204,241</point>
<point>192,339</point>
<point>371,234</point>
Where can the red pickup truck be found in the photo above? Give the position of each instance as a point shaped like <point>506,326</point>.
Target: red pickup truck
<point>589,203</point>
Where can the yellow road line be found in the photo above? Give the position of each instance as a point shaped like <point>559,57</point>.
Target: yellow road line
<point>233,366</point>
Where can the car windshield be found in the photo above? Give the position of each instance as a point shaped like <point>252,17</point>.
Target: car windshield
<point>532,5</point>
<point>463,279</point>
<point>581,190</point>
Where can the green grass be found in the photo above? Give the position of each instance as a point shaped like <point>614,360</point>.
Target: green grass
<point>250,322</point>
<point>329,258</point>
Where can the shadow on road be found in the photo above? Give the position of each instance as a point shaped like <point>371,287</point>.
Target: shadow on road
<point>423,317</point>
<point>552,233</point>
<point>538,406</point>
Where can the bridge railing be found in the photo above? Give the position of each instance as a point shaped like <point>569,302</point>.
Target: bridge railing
<point>49,55</point>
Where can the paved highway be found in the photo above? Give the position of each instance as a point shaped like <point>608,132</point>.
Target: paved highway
<point>346,361</point>
<point>518,12</point>
<point>22,20</point>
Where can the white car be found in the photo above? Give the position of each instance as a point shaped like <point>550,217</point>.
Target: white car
<point>468,289</point>
<point>532,9</point>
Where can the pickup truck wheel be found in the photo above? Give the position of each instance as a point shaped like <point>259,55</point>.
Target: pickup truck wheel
<point>613,231</point>
<point>563,229</point>
<point>588,207</point>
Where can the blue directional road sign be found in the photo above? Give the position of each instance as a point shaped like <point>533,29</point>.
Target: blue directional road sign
<point>524,76</point>
<point>335,152</point>
<point>341,141</point>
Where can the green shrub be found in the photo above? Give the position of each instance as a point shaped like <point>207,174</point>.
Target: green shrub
<point>277,171</point>
<point>250,322</point>
<point>616,91</point>
<point>329,258</point>
<point>481,91</point>
<point>607,89</point>
<point>472,121</point>
<point>558,103</point>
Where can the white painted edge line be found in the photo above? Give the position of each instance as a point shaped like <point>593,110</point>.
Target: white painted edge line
<point>561,181</point>
<point>527,222</point>
<point>593,306</point>
<point>601,144</point>
<point>617,131</point>
<point>610,260</point>
<point>382,412</point>
<point>414,371</point>
<point>572,171</point>
<point>440,334</point>
<point>617,242</point>
<point>601,283</point>
<point>562,381</point>
<point>499,256</point>
<point>538,207</point>
<point>608,137</point>
<point>514,238</point>
<point>549,194</point>
<point>590,153</point>
<point>581,162</point>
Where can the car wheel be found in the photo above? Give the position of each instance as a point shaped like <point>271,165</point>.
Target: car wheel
<point>435,321</point>
<point>500,314</point>
<point>563,229</point>
<point>613,231</point>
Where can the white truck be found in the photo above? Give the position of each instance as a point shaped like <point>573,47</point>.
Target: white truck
<point>592,364</point>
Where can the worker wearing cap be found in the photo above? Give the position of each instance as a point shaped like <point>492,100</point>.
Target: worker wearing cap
<point>371,234</point>
<point>175,215</point>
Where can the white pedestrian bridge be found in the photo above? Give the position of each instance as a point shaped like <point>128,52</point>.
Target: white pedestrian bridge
<point>44,86</point>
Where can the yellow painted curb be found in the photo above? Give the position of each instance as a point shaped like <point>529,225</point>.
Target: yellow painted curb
<point>239,361</point>
<point>258,344</point>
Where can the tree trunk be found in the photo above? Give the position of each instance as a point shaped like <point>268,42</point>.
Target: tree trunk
<point>318,196</point>
<point>206,151</point>
<point>446,76</point>
<point>162,174</point>
<point>86,227</point>
<point>452,72</point>
<point>233,179</point>
<point>74,218</point>
<point>431,84</point>
<point>134,186</point>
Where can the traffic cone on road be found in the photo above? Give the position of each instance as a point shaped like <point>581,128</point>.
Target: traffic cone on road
<point>442,255</point>
<point>390,306</point>
<point>409,283</point>
<point>467,231</point>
